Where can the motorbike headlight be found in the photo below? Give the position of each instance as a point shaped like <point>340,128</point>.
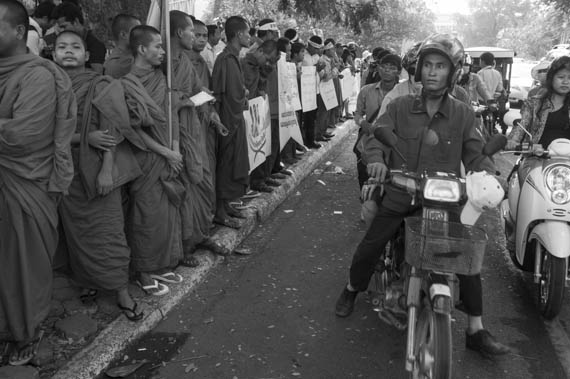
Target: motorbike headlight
<point>558,182</point>
<point>442,190</point>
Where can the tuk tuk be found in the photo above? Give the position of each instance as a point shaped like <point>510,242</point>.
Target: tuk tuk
<point>503,60</point>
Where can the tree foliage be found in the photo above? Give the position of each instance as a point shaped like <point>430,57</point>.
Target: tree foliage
<point>562,5</point>
<point>368,22</point>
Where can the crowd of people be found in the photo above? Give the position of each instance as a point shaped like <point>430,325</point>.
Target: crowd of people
<point>105,179</point>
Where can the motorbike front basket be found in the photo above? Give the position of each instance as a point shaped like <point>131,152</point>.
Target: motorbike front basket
<point>444,246</point>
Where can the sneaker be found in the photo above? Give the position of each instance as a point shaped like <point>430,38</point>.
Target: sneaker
<point>345,303</point>
<point>484,343</point>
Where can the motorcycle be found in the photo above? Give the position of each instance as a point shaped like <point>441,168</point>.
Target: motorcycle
<point>414,284</point>
<point>536,217</point>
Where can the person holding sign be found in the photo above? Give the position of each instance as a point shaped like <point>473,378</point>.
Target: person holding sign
<point>311,90</point>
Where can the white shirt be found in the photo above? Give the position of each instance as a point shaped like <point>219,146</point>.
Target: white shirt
<point>35,41</point>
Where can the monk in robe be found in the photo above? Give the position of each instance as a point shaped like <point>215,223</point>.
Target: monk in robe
<point>153,219</point>
<point>197,175</point>
<point>201,67</point>
<point>37,122</point>
<point>120,61</point>
<point>232,171</point>
<point>91,213</point>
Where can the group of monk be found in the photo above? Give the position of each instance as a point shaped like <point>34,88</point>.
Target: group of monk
<point>108,174</point>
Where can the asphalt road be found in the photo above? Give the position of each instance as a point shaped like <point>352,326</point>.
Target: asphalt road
<point>271,314</point>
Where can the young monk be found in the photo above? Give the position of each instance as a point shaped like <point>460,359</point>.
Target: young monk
<point>37,121</point>
<point>232,172</point>
<point>91,214</point>
<point>120,61</point>
<point>153,220</point>
<point>197,209</point>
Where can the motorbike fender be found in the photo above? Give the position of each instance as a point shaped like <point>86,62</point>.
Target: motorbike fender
<point>554,236</point>
<point>414,292</point>
<point>440,295</point>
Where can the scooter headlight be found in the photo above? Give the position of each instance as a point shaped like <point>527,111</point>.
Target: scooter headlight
<point>448,191</point>
<point>558,182</point>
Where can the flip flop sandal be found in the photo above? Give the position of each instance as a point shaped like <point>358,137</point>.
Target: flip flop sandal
<point>189,261</point>
<point>35,343</point>
<point>168,277</point>
<point>237,202</point>
<point>235,213</point>
<point>88,296</point>
<point>155,289</point>
<point>131,313</point>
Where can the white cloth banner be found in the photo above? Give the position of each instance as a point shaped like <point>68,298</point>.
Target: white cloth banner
<point>309,88</point>
<point>258,130</point>
<point>347,84</point>
<point>288,126</point>
<point>328,93</point>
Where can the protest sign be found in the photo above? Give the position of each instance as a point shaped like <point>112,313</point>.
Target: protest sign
<point>347,84</point>
<point>288,126</point>
<point>328,93</point>
<point>258,130</point>
<point>309,88</point>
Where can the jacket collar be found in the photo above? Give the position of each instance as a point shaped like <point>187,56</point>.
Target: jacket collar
<point>419,104</point>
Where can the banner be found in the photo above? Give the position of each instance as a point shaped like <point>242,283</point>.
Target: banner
<point>328,93</point>
<point>347,84</point>
<point>258,131</point>
<point>288,126</point>
<point>309,88</point>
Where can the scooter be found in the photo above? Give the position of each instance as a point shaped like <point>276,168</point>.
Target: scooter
<point>536,217</point>
<point>413,285</point>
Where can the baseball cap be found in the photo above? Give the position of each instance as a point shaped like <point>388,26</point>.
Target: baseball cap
<point>483,192</point>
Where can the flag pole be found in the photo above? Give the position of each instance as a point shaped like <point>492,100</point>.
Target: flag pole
<point>166,14</point>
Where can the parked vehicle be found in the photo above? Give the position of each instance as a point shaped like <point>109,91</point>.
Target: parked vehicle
<point>413,285</point>
<point>539,232</point>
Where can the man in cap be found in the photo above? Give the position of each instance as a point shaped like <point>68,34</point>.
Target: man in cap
<point>454,123</point>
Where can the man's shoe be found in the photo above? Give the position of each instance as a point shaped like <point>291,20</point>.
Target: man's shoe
<point>328,135</point>
<point>345,303</point>
<point>484,342</point>
<point>272,182</point>
<point>315,145</point>
<point>323,139</point>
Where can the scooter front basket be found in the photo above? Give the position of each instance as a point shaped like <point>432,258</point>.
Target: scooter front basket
<point>444,246</point>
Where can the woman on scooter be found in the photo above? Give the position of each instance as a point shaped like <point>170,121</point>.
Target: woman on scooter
<point>546,115</point>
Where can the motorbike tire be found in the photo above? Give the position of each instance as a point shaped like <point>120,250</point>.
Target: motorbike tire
<point>552,283</point>
<point>433,343</point>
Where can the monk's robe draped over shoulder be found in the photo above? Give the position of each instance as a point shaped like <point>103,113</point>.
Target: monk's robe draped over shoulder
<point>232,172</point>
<point>119,63</point>
<point>153,220</point>
<point>37,120</point>
<point>197,209</point>
<point>93,225</point>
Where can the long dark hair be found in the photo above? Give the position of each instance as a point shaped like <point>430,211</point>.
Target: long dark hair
<point>558,64</point>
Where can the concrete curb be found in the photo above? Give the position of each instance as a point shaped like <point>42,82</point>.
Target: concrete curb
<point>94,358</point>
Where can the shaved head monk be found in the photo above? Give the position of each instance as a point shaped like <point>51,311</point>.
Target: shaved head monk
<point>37,121</point>
<point>120,61</point>
<point>91,214</point>
<point>153,220</point>
<point>232,174</point>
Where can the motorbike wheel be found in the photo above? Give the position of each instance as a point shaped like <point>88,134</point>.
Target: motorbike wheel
<point>432,347</point>
<point>552,283</point>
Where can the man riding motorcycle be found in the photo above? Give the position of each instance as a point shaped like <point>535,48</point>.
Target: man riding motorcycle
<point>410,117</point>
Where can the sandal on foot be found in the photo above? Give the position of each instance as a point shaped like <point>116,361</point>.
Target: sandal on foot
<point>155,289</point>
<point>33,345</point>
<point>168,277</point>
<point>131,313</point>
<point>88,295</point>
<point>229,222</point>
<point>189,260</point>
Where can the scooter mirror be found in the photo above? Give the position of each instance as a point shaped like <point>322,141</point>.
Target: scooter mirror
<point>495,144</point>
<point>386,136</point>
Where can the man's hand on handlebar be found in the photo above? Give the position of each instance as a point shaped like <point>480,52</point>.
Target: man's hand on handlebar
<point>377,171</point>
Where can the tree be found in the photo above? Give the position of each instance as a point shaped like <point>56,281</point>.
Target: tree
<point>563,5</point>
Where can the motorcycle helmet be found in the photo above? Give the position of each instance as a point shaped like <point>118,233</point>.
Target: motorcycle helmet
<point>449,47</point>
<point>410,59</point>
